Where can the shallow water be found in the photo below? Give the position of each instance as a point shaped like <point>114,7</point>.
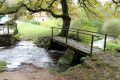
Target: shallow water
<point>25,52</point>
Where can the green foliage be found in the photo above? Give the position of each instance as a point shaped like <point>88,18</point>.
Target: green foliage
<point>12,24</point>
<point>23,19</point>
<point>83,58</point>
<point>92,25</point>
<point>73,35</point>
<point>52,22</point>
<point>97,24</point>
<point>84,24</point>
<point>35,22</point>
<point>81,38</point>
<point>2,65</point>
<point>113,45</point>
<point>112,27</point>
<point>17,37</point>
<point>100,63</point>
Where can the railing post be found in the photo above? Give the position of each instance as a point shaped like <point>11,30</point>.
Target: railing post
<point>105,41</point>
<point>92,44</point>
<point>66,37</point>
<point>52,32</point>
<point>3,29</point>
<point>77,35</point>
<point>8,29</point>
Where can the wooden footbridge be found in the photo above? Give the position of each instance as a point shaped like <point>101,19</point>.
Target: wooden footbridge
<point>79,45</point>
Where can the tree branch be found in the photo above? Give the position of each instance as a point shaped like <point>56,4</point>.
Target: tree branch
<point>47,10</point>
<point>51,4</point>
<point>2,3</point>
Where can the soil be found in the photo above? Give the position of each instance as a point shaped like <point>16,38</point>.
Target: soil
<point>27,72</point>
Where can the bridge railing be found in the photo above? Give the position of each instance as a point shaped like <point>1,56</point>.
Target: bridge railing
<point>3,26</point>
<point>80,31</point>
<point>92,38</point>
<point>96,33</point>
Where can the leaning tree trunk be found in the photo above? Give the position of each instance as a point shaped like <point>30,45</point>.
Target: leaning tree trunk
<point>66,18</point>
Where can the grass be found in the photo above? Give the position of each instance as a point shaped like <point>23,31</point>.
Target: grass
<point>104,66</point>
<point>2,65</point>
<point>31,31</point>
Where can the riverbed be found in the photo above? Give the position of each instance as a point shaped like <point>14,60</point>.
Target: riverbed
<point>26,52</point>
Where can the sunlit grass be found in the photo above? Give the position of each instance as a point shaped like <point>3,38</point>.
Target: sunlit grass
<point>31,31</point>
<point>2,65</point>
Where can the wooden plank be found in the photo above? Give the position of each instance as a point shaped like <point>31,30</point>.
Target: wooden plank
<point>78,45</point>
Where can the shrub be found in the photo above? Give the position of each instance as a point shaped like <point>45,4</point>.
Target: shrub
<point>81,38</point>
<point>17,37</point>
<point>112,46</point>
<point>73,35</point>
<point>52,22</point>
<point>35,22</point>
<point>95,26</point>
<point>112,27</point>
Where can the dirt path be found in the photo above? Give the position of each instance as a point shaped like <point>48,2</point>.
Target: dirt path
<point>28,73</point>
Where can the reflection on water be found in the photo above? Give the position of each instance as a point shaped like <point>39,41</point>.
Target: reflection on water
<point>25,52</point>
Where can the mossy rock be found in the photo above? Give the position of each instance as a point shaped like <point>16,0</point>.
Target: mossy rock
<point>43,42</point>
<point>67,58</point>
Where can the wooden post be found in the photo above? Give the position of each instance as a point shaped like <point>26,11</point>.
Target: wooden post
<point>66,37</point>
<point>52,32</point>
<point>105,41</point>
<point>8,29</point>
<point>77,35</point>
<point>92,44</point>
<point>3,28</point>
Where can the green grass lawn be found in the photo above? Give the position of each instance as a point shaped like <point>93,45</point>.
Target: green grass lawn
<point>31,31</point>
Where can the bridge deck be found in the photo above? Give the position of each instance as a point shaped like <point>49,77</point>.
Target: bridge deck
<point>78,45</point>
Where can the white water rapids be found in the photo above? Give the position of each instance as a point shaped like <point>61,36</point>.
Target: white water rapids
<point>24,51</point>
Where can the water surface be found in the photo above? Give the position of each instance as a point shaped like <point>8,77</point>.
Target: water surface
<point>25,52</point>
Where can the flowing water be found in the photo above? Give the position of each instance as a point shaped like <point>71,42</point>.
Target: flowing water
<point>26,52</point>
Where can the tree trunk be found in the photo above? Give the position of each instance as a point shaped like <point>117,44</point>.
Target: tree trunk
<point>65,27</point>
<point>66,18</point>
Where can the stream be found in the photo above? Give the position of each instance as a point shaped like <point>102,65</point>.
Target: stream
<point>28,53</point>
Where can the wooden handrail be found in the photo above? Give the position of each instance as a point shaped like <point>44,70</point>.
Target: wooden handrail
<point>90,31</point>
<point>78,31</point>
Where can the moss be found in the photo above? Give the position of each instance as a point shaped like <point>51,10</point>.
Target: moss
<point>67,58</point>
<point>43,42</point>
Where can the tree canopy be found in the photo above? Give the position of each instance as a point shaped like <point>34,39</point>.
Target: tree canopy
<point>58,8</point>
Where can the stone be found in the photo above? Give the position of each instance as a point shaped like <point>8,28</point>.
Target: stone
<point>67,58</point>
